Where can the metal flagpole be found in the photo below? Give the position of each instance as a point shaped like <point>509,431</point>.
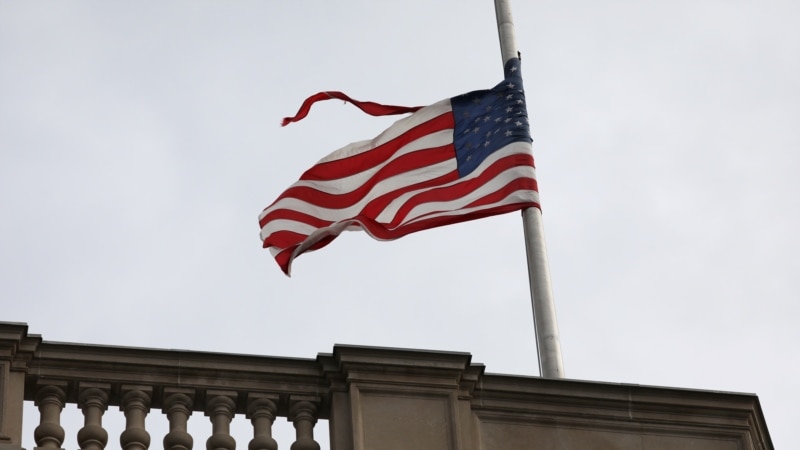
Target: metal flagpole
<point>545,324</point>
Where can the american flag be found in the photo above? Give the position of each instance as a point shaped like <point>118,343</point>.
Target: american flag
<point>459,159</point>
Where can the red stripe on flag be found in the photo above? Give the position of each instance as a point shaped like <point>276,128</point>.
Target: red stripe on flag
<point>399,166</point>
<point>292,214</point>
<point>458,190</point>
<point>344,167</point>
<point>374,208</point>
<point>371,108</point>
<point>284,258</point>
<point>380,232</point>
<point>284,239</point>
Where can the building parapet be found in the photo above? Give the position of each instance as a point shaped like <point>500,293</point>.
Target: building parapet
<point>373,398</point>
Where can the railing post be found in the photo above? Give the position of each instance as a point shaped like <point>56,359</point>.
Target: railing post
<point>414,397</point>
<point>50,399</point>
<point>93,401</point>
<point>220,408</point>
<point>16,350</point>
<point>303,414</point>
<point>178,407</point>
<point>262,410</point>
<point>135,404</point>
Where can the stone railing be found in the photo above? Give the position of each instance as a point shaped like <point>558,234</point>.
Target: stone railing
<point>373,399</point>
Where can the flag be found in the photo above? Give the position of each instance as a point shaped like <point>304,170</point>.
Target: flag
<point>459,159</point>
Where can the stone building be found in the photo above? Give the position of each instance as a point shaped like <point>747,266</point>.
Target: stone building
<point>372,398</point>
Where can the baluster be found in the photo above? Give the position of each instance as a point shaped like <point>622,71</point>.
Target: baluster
<point>135,404</point>
<point>178,408</point>
<point>93,401</point>
<point>220,409</point>
<point>50,400</point>
<point>261,410</point>
<point>303,413</point>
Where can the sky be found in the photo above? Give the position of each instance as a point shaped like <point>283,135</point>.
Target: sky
<point>140,141</point>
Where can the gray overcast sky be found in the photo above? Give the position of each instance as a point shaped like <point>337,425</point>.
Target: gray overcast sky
<point>139,142</point>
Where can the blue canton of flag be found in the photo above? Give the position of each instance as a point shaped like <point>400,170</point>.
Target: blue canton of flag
<point>488,120</point>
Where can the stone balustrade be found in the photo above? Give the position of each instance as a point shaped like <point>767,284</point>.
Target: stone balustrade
<point>373,399</point>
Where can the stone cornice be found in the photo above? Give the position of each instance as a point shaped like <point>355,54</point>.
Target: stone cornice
<point>16,345</point>
<point>626,407</point>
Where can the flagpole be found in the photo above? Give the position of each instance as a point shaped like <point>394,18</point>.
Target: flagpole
<point>545,325</point>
